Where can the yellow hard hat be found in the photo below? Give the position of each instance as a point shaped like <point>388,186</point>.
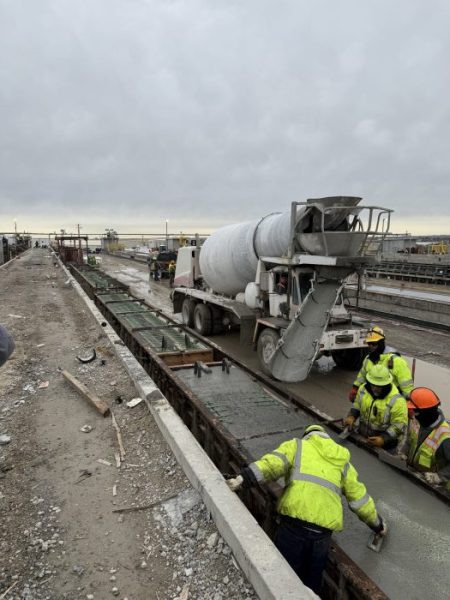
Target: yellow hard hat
<point>375,335</point>
<point>313,428</point>
<point>379,375</point>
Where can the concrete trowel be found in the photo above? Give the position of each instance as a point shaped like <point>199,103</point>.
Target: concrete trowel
<point>393,460</point>
<point>376,540</point>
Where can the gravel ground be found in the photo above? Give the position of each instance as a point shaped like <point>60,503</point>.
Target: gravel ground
<point>59,486</point>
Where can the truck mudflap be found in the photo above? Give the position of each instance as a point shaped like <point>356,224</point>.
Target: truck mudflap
<point>300,344</point>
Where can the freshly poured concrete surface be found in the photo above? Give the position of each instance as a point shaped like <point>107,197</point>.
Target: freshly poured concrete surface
<point>415,557</point>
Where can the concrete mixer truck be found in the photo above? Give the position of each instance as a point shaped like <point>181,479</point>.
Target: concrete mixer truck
<point>280,279</point>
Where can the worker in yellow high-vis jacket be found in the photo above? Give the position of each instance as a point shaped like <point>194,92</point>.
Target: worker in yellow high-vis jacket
<point>380,355</point>
<point>380,408</point>
<point>317,472</point>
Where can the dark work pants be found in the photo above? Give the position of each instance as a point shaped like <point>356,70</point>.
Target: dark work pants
<point>305,550</point>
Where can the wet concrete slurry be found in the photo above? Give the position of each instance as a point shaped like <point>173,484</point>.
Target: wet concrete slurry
<point>413,561</point>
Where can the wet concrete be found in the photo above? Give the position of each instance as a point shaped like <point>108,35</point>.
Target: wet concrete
<point>415,556</point>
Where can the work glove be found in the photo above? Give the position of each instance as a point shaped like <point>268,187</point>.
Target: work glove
<point>349,422</point>
<point>432,478</point>
<point>380,527</point>
<point>376,440</point>
<point>352,393</point>
<point>235,483</point>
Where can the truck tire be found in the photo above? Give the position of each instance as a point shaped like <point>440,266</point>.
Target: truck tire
<point>217,324</point>
<point>267,341</point>
<point>349,359</point>
<point>203,319</point>
<point>187,312</point>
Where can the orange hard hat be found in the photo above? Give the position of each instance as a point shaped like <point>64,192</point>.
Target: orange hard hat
<point>422,397</point>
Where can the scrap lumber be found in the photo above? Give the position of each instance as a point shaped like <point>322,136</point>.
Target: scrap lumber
<point>145,506</point>
<point>99,404</point>
<point>119,437</point>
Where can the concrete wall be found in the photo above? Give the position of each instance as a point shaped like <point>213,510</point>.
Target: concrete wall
<point>410,308</point>
<point>429,259</point>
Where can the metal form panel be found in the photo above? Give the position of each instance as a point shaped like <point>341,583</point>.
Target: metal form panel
<point>148,331</point>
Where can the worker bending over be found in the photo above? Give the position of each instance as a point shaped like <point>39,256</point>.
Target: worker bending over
<point>381,409</point>
<point>317,471</point>
<point>428,444</point>
<point>380,355</point>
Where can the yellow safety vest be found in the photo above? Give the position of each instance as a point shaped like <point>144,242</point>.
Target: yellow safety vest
<point>317,472</point>
<point>389,414</point>
<point>423,457</point>
<point>398,367</point>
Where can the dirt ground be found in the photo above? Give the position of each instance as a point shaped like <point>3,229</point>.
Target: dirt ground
<point>59,486</point>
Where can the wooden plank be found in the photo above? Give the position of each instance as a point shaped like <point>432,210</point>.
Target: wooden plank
<point>179,358</point>
<point>99,404</point>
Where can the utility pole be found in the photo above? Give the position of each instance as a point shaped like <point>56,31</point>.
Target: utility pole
<point>79,238</point>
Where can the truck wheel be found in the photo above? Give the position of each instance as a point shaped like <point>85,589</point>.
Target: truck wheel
<point>203,319</point>
<point>267,341</point>
<point>217,325</point>
<point>349,359</point>
<point>187,312</point>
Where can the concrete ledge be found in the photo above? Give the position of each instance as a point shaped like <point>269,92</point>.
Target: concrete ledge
<point>432,311</point>
<point>265,568</point>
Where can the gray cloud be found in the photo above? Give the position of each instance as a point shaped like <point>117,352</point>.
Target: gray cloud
<point>127,112</point>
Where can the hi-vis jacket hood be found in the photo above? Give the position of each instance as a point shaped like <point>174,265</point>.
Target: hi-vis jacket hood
<point>328,449</point>
<point>317,473</point>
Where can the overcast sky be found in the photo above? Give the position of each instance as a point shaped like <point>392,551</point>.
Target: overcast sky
<point>125,113</point>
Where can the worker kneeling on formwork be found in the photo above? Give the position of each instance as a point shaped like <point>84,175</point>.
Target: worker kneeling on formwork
<point>379,354</point>
<point>381,409</point>
<point>428,443</point>
<point>317,472</point>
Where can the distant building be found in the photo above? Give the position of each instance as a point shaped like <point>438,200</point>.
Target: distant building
<point>410,244</point>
